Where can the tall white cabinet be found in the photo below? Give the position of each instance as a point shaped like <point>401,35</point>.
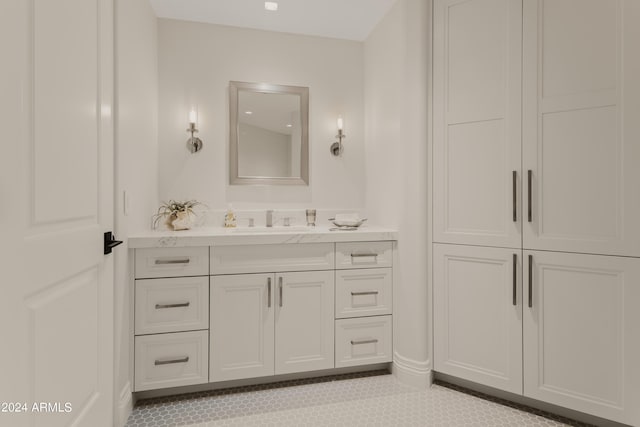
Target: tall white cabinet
<point>536,162</point>
<point>581,103</point>
<point>477,122</point>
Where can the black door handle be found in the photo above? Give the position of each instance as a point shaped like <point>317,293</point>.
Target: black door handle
<point>110,242</point>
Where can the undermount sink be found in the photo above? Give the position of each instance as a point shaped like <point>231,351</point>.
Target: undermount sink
<point>260,230</point>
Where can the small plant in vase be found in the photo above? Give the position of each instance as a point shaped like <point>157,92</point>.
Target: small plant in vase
<point>178,215</point>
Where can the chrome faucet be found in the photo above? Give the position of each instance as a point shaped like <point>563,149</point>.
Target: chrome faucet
<point>269,221</point>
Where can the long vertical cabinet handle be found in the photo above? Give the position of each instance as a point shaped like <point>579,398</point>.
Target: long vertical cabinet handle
<point>530,281</point>
<point>515,196</point>
<point>280,289</point>
<point>515,279</point>
<point>269,292</point>
<point>529,177</point>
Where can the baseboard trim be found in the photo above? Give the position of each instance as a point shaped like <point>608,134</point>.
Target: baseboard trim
<point>527,401</point>
<point>411,372</point>
<point>149,394</point>
<point>125,405</point>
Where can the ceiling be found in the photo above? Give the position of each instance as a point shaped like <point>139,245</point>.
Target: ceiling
<point>342,19</point>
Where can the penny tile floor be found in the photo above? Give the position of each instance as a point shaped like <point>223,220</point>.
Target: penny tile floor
<point>369,399</point>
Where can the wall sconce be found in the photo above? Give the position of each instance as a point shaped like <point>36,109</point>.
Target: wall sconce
<point>194,144</point>
<point>336,147</point>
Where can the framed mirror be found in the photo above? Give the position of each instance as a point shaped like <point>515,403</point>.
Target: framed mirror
<point>269,134</point>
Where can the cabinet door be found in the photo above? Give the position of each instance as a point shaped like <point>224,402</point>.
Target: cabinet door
<point>477,122</point>
<point>478,314</point>
<point>581,333</point>
<point>242,330</point>
<point>304,321</point>
<point>581,103</point>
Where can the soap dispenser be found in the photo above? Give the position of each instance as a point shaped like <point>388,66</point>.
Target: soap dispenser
<point>230,218</point>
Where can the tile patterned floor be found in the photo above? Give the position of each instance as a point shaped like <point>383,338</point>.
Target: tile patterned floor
<point>369,399</point>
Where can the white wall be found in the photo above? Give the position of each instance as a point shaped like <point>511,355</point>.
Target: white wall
<point>136,116</point>
<point>396,76</point>
<point>196,63</point>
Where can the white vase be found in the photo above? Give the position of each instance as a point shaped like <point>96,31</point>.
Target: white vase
<point>183,221</point>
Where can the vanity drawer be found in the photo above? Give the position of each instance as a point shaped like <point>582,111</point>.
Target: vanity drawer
<point>363,292</point>
<point>172,262</point>
<point>172,305</point>
<point>364,255</point>
<point>268,258</point>
<point>363,341</point>
<point>171,360</point>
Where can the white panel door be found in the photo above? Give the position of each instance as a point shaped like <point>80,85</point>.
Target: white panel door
<point>241,313</point>
<point>581,103</point>
<point>581,329</point>
<point>477,122</point>
<point>304,321</point>
<point>56,187</point>
<point>478,314</point>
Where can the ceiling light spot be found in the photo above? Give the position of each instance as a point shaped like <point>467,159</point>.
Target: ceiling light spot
<point>289,125</point>
<point>248,113</point>
<point>271,6</point>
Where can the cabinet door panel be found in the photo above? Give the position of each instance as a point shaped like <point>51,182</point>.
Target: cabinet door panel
<point>581,334</point>
<point>242,330</point>
<point>477,325</point>
<point>581,100</point>
<point>477,122</point>
<point>304,321</point>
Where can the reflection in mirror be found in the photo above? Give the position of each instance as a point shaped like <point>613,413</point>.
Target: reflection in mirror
<point>268,134</point>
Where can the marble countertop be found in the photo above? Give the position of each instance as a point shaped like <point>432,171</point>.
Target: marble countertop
<point>218,236</point>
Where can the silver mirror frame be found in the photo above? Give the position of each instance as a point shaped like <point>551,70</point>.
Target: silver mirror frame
<point>303,92</point>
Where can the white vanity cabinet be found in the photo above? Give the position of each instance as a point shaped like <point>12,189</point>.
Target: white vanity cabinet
<point>304,321</point>
<point>227,311</point>
<point>364,301</point>
<point>171,317</point>
<point>242,326</point>
<point>271,324</point>
<point>277,321</point>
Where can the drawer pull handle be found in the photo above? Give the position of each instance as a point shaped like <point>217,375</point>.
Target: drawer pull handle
<point>172,261</point>
<point>172,361</point>
<point>364,293</point>
<point>269,292</point>
<point>370,341</point>
<point>280,289</point>
<point>364,256</point>
<point>181,304</point>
